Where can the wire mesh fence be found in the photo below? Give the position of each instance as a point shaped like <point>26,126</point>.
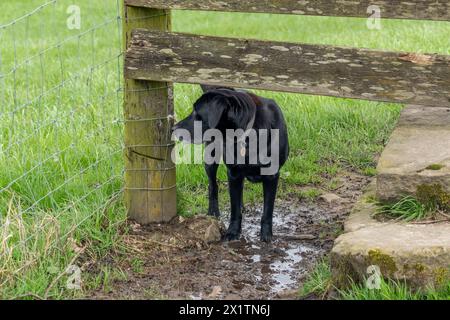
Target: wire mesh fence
<point>60,134</point>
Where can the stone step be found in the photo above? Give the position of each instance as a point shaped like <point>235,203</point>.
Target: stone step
<point>418,153</point>
<point>418,254</point>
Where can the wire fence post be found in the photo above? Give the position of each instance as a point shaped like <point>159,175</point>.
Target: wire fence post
<point>150,179</point>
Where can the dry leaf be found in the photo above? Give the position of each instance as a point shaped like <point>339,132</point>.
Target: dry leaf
<point>75,247</point>
<point>215,293</point>
<point>136,227</point>
<point>416,58</point>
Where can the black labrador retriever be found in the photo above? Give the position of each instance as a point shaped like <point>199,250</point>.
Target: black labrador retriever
<point>224,109</point>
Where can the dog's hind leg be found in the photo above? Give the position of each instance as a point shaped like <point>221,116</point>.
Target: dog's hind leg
<point>270,185</point>
<point>236,187</point>
<point>213,190</point>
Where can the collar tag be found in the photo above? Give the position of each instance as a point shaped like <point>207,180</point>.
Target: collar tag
<point>243,149</point>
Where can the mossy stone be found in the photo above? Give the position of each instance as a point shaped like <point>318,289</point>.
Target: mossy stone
<point>441,276</point>
<point>435,167</point>
<point>384,261</point>
<point>433,196</point>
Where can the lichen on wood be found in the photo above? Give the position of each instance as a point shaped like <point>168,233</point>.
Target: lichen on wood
<point>291,67</point>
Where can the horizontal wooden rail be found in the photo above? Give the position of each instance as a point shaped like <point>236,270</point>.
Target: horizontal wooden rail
<point>290,67</point>
<point>394,9</point>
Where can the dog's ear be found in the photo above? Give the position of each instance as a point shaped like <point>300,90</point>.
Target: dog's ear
<point>217,108</point>
<point>241,109</point>
<point>205,88</point>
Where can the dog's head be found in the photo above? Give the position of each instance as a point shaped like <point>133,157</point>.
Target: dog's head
<point>219,109</point>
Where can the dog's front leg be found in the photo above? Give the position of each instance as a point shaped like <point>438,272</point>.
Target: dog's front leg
<point>213,190</point>
<point>270,185</point>
<point>236,186</point>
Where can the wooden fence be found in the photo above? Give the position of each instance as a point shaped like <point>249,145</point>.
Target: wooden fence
<point>156,57</point>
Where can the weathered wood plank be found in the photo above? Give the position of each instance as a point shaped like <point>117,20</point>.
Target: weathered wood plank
<point>150,195</point>
<point>396,9</point>
<point>291,67</point>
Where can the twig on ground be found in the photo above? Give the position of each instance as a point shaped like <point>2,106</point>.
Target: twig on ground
<point>26,295</point>
<point>431,222</point>
<point>444,214</point>
<point>298,237</point>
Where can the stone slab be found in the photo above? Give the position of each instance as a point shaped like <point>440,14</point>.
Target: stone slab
<point>418,153</point>
<point>418,254</point>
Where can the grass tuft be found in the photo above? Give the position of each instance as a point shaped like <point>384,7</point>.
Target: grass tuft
<point>320,284</point>
<point>389,290</point>
<point>430,201</point>
<point>319,281</point>
<point>407,209</point>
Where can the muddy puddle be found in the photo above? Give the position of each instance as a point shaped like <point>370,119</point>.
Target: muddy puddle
<point>173,261</point>
<point>275,268</point>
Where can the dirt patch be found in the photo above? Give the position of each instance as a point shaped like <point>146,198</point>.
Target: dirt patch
<point>175,260</point>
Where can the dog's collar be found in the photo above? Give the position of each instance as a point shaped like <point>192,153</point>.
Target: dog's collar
<point>248,129</point>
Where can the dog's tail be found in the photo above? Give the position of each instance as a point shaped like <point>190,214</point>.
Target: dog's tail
<point>207,88</point>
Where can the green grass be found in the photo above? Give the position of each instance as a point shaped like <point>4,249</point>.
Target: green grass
<point>392,290</point>
<point>319,283</point>
<point>407,209</point>
<point>430,201</point>
<point>60,144</point>
<point>61,130</point>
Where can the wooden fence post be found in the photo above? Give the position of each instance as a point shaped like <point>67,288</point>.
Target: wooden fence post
<point>150,181</point>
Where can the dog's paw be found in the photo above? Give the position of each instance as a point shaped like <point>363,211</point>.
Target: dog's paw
<point>266,238</point>
<point>266,234</point>
<point>231,235</point>
<point>214,213</point>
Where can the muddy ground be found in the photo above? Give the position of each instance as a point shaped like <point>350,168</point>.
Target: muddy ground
<point>173,261</point>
